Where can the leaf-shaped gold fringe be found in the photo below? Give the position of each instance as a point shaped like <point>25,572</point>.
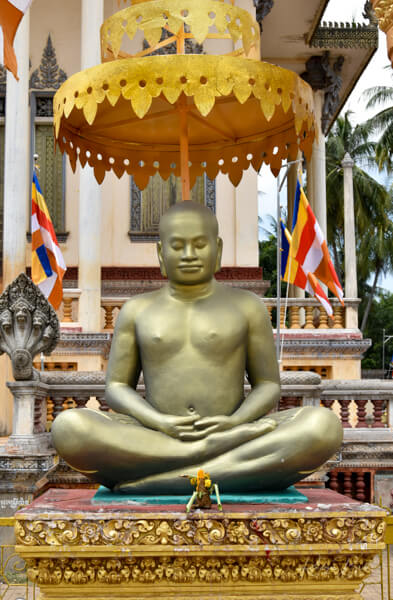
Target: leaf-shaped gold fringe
<point>199,17</point>
<point>201,77</point>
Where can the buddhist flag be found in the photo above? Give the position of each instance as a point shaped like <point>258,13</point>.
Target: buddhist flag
<point>308,256</point>
<point>292,272</point>
<point>47,263</point>
<point>11,13</point>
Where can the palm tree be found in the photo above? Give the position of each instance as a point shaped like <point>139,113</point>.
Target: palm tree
<point>372,201</point>
<point>382,123</point>
<point>377,252</point>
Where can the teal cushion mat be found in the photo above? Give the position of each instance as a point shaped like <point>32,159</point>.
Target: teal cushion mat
<point>289,496</point>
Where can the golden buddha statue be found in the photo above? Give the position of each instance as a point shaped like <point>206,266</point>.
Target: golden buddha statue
<point>194,339</point>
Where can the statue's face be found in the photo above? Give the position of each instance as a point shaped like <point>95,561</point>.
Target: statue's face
<point>189,251</point>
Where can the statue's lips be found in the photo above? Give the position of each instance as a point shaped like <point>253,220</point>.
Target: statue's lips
<point>189,268</point>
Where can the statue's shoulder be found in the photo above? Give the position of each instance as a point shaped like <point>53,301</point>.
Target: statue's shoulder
<point>240,295</point>
<point>134,305</point>
<point>247,301</point>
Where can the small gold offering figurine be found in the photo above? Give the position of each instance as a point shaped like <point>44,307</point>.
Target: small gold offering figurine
<point>201,497</point>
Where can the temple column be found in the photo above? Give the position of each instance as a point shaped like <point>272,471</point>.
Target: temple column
<point>90,192</point>
<point>246,220</point>
<point>17,189</point>
<point>351,288</point>
<point>17,182</point>
<point>316,170</point>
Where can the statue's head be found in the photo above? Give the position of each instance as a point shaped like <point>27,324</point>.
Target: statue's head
<point>190,249</point>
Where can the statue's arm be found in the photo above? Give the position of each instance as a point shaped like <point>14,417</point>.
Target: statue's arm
<point>124,368</point>
<point>261,366</point>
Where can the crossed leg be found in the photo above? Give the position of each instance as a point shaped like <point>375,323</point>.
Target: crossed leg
<point>250,457</point>
<point>112,450</point>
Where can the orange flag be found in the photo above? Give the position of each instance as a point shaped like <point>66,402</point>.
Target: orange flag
<point>11,13</point>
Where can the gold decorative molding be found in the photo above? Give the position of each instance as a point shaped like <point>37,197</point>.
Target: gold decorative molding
<point>201,532</point>
<point>321,551</point>
<point>199,18</point>
<point>276,105</point>
<point>384,12</point>
<point>199,569</point>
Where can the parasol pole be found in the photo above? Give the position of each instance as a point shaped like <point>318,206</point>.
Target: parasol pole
<point>184,151</point>
<point>184,146</point>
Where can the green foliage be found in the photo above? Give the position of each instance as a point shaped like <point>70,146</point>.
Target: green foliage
<point>381,317</point>
<point>268,262</point>
<point>373,205</point>
<point>382,124</point>
<point>268,258</point>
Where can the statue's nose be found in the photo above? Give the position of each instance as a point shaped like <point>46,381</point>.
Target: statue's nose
<point>189,253</point>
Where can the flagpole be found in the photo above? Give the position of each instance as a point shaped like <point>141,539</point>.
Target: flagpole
<point>279,187</point>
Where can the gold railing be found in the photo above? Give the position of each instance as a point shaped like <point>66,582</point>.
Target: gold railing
<point>14,584</point>
<point>307,313</point>
<point>389,544</point>
<point>300,313</point>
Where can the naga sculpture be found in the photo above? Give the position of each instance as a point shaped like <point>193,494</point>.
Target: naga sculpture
<point>28,325</point>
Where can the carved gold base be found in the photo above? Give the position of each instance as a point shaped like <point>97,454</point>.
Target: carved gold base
<point>318,551</point>
<point>171,593</point>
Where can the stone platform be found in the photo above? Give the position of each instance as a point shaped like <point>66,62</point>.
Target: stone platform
<point>321,550</point>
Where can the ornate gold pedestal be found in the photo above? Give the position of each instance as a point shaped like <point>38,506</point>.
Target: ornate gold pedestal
<point>320,550</point>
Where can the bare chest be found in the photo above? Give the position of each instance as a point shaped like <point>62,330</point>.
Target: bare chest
<point>210,330</point>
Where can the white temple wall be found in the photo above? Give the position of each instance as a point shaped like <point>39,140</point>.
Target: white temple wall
<point>116,248</point>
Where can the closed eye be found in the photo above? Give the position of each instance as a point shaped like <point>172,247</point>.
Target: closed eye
<point>177,245</point>
<point>200,243</point>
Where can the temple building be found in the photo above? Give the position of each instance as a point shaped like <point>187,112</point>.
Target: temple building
<point>107,233</point>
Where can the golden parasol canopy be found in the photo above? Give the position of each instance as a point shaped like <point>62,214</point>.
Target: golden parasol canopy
<point>185,114</point>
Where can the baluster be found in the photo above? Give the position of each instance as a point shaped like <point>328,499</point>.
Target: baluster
<point>37,415</point>
<point>282,317</point>
<point>294,317</point>
<point>338,317</point>
<point>68,403</point>
<point>67,309</point>
<point>81,401</point>
<point>327,402</point>
<point>309,317</point>
<point>103,405</point>
<point>292,402</point>
<point>323,319</point>
<point>57,405</point>
<point>360,486</point>
<point>344,411</point>
<point>108,317</point>
<point>282,405</point>
<point>361,412</point>
<point>49,410</point>
<point>377,413</point>
<point>333,483</point>
<point>348,483</point>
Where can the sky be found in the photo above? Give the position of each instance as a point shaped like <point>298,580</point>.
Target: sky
<point>375,74</point>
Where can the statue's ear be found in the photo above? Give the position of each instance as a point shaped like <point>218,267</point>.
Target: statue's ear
<point>219,255</point>
<point>161,260</point>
